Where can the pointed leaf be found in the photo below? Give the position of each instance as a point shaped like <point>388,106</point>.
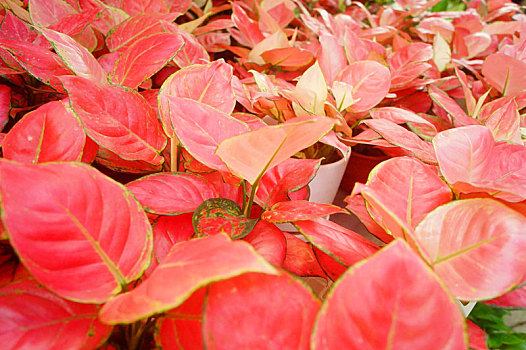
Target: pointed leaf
<point>75,56</point>
<point>189,266</point>
<point>408,187</point>
<point>369,82</point>
<point>221,215</point>
<point>49,133</point>
<point>441,52</point>
<point>201,128</point>
<point>32,317</point>
<point>5,105</point>
<point>205,83</point>
<point>117,119</point>
<point>477,247</point>
<point>299,210</point>
<point>169,230</point>
<point>504,73</point>
<point>452,108</point>
<point>345,246</point>
<point>44,65</point>
<point>192,52</point>
<point>331,58</point>
<point>268,241</point>
<point>357,205</point>
<point>399,116</point>
<point>249,155</point>
<point>144,58</point>
<point>170,194</point>
<point>312,91</point>
<point>399,136</point>
<point>471,161</point>
<point>134,28</point>
<point>61,236</point>
<point>47,12</point>
<point>504,122</point>
<point>408,63</point>
<point>388,293</point>
<point>300,258</point>
<point>241,303</point>
<point>286,178</point>
<point>289,58</point>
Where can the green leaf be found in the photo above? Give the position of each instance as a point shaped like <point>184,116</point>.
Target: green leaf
<point>500,336</point>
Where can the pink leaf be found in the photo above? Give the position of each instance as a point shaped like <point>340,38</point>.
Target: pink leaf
<point>117,119</point>
<point>169,194</point>
<point>66,243</point>
<point>505,73</point>
<point>135,7</point>
<point>408,63</point>
<point>76,57</point>
<point>205,83</point>
<point>408,188</point>
<point>471,161</point>
<point>49,133</point>
<point>369,83</point>
<point>185,269</point>
<point>300,258</point>
<point>387,293</point>
<point>47,12</point>
<point>241,303</point>
<point>32,317</point>
<point>331,57</point>
<point>345,246</point>
<point>401,137</point>
<point>249,155</point>
<point>299,210</point>
<point>452,108</point>
<point>200,128</point>
<point>515,298</point>
<point>477,247</point>
<point>144,58</point>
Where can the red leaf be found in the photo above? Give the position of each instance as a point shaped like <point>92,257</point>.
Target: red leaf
<point>505,73</point>
<point>65,242</point>
<point>117,119</point>
<point>49,133</point>
<point>189,266</point>
<point>356,205</point>
<point>242,303</point>
<point>286,178</point>
<point>299,210</point>
<point>181,327</point>
<point>135,28</point>
<point>477,337</point>
<point>76,57</point>
<point>515,298</point>
<point>289,58</point>
<point>170,194</point>
<point>34,318</point>
<point>205,83</point>
<point>300,258</point>
<point>399,136</point>
<point>14,28</point>
<point>400,116</point>
<point>77,24</point>
<point>368,82</point>
<point>477,247</point>
<point>268,241</point>
<point>5,105</point>
<point>192,52</point>
<point>471,161</point>
<point>345,246</point>
<point>144,58</point>
<point>44,65</point>
<point>249,155</point>
<point>248,28</point>
<point>169,230</point>
<point>378,304</point>
<point>200,128</point>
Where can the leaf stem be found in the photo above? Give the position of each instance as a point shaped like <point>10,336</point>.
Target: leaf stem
<point>174,159</point>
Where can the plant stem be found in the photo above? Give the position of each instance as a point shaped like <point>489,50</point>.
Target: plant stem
<point>248,207</point>
<point>174,152</point>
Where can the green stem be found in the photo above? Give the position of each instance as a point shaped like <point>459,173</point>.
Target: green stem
<point>244,187</point>
<point>248,208</point>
